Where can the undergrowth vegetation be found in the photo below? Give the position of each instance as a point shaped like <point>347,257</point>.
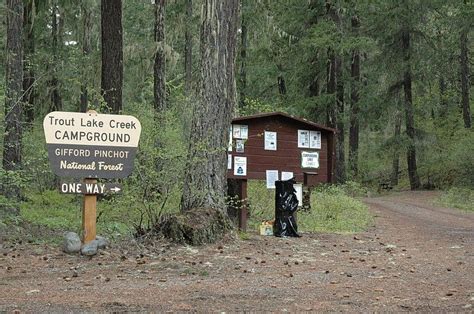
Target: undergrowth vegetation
<point>462,198</point>
<point>333,208</point>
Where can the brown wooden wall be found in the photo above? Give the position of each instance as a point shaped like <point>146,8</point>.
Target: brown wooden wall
<point>287,157</point>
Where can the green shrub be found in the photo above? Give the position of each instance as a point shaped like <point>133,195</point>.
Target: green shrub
<point>462,198</point>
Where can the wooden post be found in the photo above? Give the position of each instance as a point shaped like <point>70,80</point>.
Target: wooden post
<point>243,208</point>
<point>89,209</point>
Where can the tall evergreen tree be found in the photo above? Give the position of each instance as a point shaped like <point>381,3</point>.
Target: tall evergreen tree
<point>86,13</point>
<point>354,109</point>
<point>188,48</point>
<point>465,86</point>
<point>112,54</point>
<point>12,139</point>
<point>56,30</point>
<point>159,78</point>
<point>29,96</point>
<point>205,179</point>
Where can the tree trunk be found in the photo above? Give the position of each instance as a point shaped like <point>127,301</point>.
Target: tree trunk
<point>13,111</point>
<point>354,115</point>
<point>28,70</point>
<point>159,79</point>
<point>409,120</point>
<point>112,54</point>
<point>443,104</point>
<point>86,50</point>
<point>335,113</point>
<point>331,88</point>
<point>56,99</point>
<point>466,110</point>
<point>340,171</point>
<point>188,48</point>
<point>396,153</point>
<point>205,180</point>
<point>243,59</point>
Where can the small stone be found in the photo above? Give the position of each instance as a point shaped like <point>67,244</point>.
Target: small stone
<point>67,278</point>
<point>449,294</point>
<point>90,249</point>
<point>467,306</point>
<point>448,269</point>
<point>248,257</point>
<point>163,280</point>
<point>102,242</point>
<point>412,270</point>
<point>72,243</point>
<point>220,247</point>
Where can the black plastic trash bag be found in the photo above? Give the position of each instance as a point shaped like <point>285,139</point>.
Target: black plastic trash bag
<point>286,204</point>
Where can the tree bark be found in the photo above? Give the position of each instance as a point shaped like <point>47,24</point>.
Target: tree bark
<point>56,99</point>
<point>112,54</point>
<point>443,104</point>
<point>205,177</point>
<point>396,153</point>
<point>466,110</point>
<point>335,113</point>
<point>243,59</point>
<point>188,48</point>
<point>340,170</point>
<point>331,88</point>
<point>354,114</point>
<point>159,78</point>
<point>13,106</point>
<point>86,50</point>
<point>409,120</point>
<point>28,70</point>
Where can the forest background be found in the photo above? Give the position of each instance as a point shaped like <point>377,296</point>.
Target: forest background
<point>392,76</point>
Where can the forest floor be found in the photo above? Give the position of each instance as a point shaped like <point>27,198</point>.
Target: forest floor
<point>417,257</point>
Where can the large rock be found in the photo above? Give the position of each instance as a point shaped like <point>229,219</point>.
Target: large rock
<point>72,242</point>
<point>91,248</point>
<point>102,242</point>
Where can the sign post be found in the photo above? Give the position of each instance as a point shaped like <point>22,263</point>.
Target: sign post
<point>89,213</point>
<point>91,146</point>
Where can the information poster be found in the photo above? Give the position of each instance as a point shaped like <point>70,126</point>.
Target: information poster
<point>239,146</point>
<point>309,160</point>
<point>244,132</point>
<point>315,139</point>
<point>303,138</point>
<point>236,131</point>
<point>240,131</point>
<point>270,140</point>
<point>230,140</point>
<point>286,175</point>
<point>229,162</point>
<point>240,166</point>
<point>272,176</point>
<point>299,193</point>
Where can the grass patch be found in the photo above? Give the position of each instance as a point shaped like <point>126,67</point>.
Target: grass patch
<point>333,209</point>
<point>461,198</point>
<point>63,212</point>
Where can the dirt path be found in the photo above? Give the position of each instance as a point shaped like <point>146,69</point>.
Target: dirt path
<point>418,257</point>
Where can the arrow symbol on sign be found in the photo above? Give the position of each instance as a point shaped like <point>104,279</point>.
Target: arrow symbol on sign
<point>115,189</point>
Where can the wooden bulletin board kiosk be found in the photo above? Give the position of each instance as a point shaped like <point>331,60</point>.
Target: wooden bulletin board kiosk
<point>277,146</point>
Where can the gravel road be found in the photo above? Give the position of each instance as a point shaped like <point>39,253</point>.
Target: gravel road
<point>417,257</point>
